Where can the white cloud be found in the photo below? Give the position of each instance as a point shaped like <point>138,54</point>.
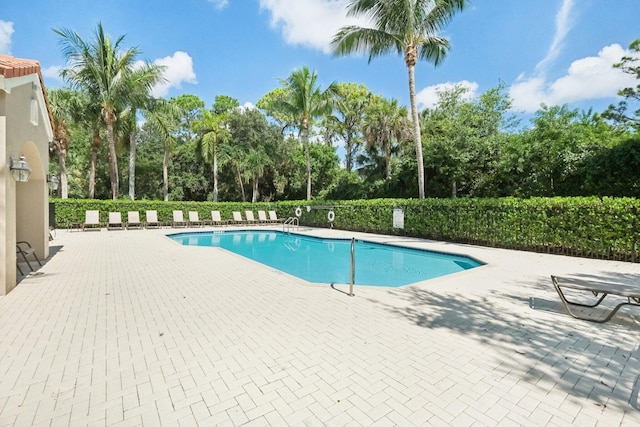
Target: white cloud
<point>219,4</point>
<point>310,23</point>
<point>428,97</point>
<point>6,31</point>
<point>247,106</point>
<point>592,77</point>
<point>52,72</point>
<point>563,25</point>
<point>179,69</point>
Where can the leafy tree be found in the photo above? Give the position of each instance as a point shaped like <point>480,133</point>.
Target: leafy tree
<point>346,124</point>
<point>271,103</point>
<point>305,101</point>
<point>409,28</point>
<point>630,65</point>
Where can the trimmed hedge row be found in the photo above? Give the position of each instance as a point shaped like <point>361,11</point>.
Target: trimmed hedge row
<point>592,227</point>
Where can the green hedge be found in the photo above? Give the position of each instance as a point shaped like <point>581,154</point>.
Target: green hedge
<point>594,227</point>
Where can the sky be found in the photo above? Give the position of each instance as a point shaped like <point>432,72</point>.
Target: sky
<point>545,51</point>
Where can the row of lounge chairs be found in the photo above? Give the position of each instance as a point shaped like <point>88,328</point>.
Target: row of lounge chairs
<point>92,220</point>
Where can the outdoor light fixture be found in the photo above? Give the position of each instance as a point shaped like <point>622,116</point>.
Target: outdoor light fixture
<point>20,170</point>
<point>53,182</point>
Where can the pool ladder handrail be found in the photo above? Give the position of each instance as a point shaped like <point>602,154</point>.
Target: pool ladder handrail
<point>292,221</point>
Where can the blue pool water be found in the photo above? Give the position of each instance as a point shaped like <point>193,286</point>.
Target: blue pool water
<point>328,260</point>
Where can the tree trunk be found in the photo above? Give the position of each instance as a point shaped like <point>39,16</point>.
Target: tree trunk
<point>416,130</point>
<point>95,146</point>
<point>305,141</point>
<point>215,173</point>
<point>62,160</point>
<point>165,174</point>
<point>454,189</point>
<point>349,155</point>
<point>254,198</point>
<point>244,197</point>
<point>113,160</point>
<point>132,161</point>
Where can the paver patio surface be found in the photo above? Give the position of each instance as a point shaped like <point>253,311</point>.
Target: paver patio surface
<point>129,328</point>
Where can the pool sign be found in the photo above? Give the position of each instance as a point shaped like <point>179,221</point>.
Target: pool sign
<point>398,218</point>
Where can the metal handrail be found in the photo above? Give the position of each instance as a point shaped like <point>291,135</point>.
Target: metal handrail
<point>292,221</point>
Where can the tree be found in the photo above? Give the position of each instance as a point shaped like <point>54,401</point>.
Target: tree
<point>409,28</point>
<point>306,101</point>
<point>212,131</point>
<point>630,65</point>
<point>350,105</point>
<point>386,124</point>
<point>140,82</point>
<point>102,69</point>
<point>64,103</point>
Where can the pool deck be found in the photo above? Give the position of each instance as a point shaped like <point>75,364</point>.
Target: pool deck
<point>129,328</point>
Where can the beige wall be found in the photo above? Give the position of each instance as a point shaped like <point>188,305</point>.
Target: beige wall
<point>23,206</point>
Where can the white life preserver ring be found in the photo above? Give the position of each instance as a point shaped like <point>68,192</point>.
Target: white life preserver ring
<point>331,216</point>
<point>298,211</point>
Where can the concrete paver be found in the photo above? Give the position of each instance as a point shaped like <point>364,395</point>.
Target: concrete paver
<point>128,328</point>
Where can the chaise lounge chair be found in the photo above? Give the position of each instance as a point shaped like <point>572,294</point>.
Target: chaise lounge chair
<point>178,219</point>
<point>250,218</point>
<point>599,290</point>
<point>194,220</point>
<point>216,219</point>
<point>152,219</point>
<point>273,217</point>
<point>91,221</point>
<point>133,220</point>
<point>262,218</point>
<point>115,221</point>
<point>24,249</point>
<point>237,218</point>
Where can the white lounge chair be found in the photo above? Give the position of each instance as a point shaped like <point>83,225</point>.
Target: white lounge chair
<point>273,217</point>
<point>194,219</point>
<point>216,219</point>
<point>237,218</point>
<point>91,221</point>
<point>152,219</point>
<point>262,218</point>
<point>178,219</point>
<point>133,220</point>
<point>115,221</point>
<point>250,218</point>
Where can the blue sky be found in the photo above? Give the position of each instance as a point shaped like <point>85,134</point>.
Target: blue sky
<point>552,51</point>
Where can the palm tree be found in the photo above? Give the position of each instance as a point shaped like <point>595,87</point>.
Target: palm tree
<point>140,83</point>
<point>386,123</point>
<point>103,70</point>
<point>305,101</point>
<point>164,118</point>
<point>256,163</point>
<point>64,104</point>
<point>408,27</point>
<point>212,132</point>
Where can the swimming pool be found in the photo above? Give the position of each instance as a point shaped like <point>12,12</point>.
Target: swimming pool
<point>328,260</point>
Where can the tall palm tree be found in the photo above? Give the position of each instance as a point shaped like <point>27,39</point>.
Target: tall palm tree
<point>211,132</point>
<point>103,69</point>
<point>407,27</point>
<point>256,163</point>
<point>386,123</point>
<point>164,118</point>
<point>305,101</point>
<point>64,105</point>
<point>140,83</point>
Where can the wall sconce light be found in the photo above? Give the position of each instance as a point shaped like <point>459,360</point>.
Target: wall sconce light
<point>53,183</point>
<point>20,170</point>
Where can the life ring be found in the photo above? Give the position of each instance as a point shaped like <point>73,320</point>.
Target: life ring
<point>331,216</point>
<point>298,211</point>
